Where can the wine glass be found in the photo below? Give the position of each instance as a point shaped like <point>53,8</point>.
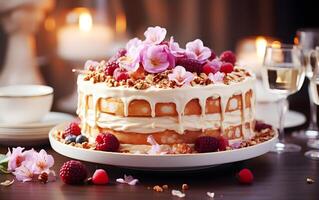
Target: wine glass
<point>283,74</point>
<point>308,39</point>
<point>314,90</point>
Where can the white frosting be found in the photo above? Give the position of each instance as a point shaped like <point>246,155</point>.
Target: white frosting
<point>179,96</point>
<point>158,124</point>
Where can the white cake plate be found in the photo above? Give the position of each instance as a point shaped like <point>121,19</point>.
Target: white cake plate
<point>169,162</point>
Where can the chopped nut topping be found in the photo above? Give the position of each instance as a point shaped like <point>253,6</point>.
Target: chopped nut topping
<point>159,80</point>
<point>165,187</point>
<point>158,188</point>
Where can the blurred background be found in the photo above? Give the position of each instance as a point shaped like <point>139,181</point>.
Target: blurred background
<point>221,24</point>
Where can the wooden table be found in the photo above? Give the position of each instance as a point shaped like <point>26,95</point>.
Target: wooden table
<point>276,177</point>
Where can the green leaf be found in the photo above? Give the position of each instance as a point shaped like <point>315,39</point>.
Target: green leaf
<point>3,159</point>
<point>4,164</point>
<point>3,169</point>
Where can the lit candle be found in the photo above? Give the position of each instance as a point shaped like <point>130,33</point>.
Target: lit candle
<point>84,40</point>
<point>251,51</point>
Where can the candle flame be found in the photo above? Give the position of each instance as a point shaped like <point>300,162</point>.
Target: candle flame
<point>120,23</point>
<point>276,44</point>
<point>85,21</point>
<point>261,44</point>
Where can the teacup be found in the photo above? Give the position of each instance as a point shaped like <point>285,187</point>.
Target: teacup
<point>24,103</point>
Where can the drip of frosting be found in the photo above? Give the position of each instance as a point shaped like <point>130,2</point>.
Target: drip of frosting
<point>179,96</point>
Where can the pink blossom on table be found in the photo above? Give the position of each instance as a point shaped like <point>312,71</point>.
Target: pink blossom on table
<point>197,50</point>
<point>157,58</point>
<point>181,76</point>
<point>42,162</point>
<point>91,64</point>
<point>154,35</point>
<point>175,49</point>
<point>218,77</point>
<point>156,148</point>
<point>17,157</point>
<point>130,180</point>
<point>24,173</point>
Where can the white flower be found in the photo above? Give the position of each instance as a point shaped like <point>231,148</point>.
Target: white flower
<point>178,193</point>
<point>128,180</point>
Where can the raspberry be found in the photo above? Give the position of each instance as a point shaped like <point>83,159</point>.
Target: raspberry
<point>245,176</point>
<point>73,172</point>
<point>228,56</point>
<point>110,68</point>
<point>107,142</point>
<point>120,74</point>
<point>100,177</point>
<point>259,125</point>
<point>207,68</point>
<point>190,65</point>
<point>227,68</point>
<point>212,55</point>
<point>223,144</point>
<point>206,144</point>
<point>72,129</point>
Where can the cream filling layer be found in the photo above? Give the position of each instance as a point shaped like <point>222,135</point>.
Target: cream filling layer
<point>158,124</point>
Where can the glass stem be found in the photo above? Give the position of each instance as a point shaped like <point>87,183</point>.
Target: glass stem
<point>313,113</point>
<point>283,110</point>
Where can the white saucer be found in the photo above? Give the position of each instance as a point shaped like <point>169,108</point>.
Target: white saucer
<point>173,162</point>
<point>51,119</point>
<point>268,112</point>
<point>33,133</point>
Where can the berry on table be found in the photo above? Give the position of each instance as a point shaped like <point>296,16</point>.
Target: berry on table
<point>245,176</point>
<point>206,144</point>
<point>81,138</point>
<point>73,172</point>
<point>69,139</point>
<point>100,177</point>
<point>228,56</point>
<point>72,129</point>
<point>107,142</point>
<point>227,68</point>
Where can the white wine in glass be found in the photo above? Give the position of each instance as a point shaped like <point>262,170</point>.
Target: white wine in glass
<point>283,74</point>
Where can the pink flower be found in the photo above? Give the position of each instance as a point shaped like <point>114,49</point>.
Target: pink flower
<point>157,58</point>
<point>156,148</point>
<point>24,172</point>
<point>128,180</point>
<point>17,157</point>
<point>154,35</point>
<point>175,49</point>
<point>197,50</point>
<point>181,76</point>
<point>218,77</point>
<point>131,61</point>
<point>42,162</point>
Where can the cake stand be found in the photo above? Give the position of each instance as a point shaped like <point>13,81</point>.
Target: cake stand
<point>168,162</point>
